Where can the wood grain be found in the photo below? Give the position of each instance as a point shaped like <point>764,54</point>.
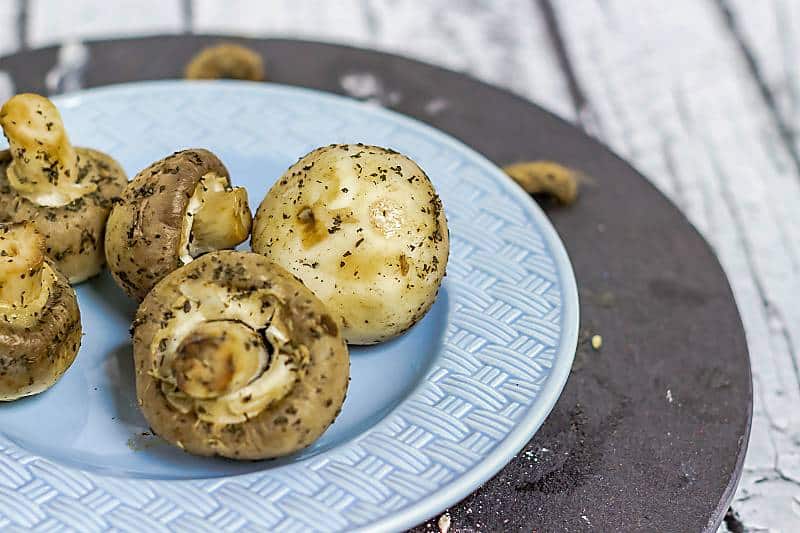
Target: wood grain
<point>53,21</point>
<point>771,32</point>
<point>673,93</point>
<point>768,33</point>
<point>9,32</point>
<point>503,42</point>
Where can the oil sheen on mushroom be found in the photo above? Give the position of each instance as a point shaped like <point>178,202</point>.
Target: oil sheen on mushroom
<point>40,327</point>
<point>235,357</point>
<point>173,211</point>
<point>363,227</point>
<point>67,191</point>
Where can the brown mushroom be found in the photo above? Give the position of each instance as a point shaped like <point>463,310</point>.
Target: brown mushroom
<point>226,60</point>
<point>171,212</point>
<point>40,324</point>
<point>66,191</point>
<point>235,357</point>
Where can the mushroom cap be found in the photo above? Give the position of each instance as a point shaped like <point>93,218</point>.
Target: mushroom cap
<point>283,426</point>
<point>32,359</point>
<point>364,228</point>
<point>143,235</point>
<point>74,233</point>
<point>226,60</point>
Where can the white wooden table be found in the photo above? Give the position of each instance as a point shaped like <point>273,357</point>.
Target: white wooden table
<point>703,96</point>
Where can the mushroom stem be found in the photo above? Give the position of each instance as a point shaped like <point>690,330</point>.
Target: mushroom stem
<point>21,266</point>
<point>218,217</point>
<point>45,165</point>
<point>222,222</point>
<point>226,372</point>
<point>218,357</point>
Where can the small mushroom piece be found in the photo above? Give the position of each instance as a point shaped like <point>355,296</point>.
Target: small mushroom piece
<point>40,324</point>
<point>235,357</point>
<point>546,177</point>
<point>65,190</point>
<point>363,227</point>
<point>226,60</point>
<point>173,211</point>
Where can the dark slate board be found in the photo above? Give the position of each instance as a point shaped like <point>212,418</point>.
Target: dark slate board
<point>619,452</point>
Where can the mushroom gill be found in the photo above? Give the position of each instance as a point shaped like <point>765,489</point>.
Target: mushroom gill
<point>225,355</point>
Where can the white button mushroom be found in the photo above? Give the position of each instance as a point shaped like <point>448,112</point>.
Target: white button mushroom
<point>363,227</point>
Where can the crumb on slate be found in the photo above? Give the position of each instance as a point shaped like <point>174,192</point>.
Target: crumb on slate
<point>597,342</point>
<point>546,177</point>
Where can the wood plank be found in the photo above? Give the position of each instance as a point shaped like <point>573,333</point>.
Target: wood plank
<point>771,30</point>
<point>502,42</point>
<point>9,36</point>
<point>672,93</point>
<point>53,21</point>
<point>10,41</point>
<point>343,21</point>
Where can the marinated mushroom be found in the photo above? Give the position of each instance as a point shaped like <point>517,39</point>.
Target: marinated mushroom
<point>235,357</point>
<point>363,227</point>
<point>40,324</point>
<point>176,209</point>
<point>546,177</point>
<point>226,60</point>
<point>65,190</point>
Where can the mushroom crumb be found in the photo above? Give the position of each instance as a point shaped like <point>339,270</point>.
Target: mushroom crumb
<point>226,60</point>
<point>546,177</point>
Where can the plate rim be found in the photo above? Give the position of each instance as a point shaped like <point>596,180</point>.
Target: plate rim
<point>463,484</point>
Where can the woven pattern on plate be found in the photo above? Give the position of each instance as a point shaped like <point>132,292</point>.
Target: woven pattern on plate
<point>504,334</point>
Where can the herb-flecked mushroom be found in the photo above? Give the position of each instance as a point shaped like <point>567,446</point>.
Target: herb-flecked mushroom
<point>65,190</point>
<point>226,60</point>
<point>363,227</point>
<point>171,212</point>
<point>40,324</point>
<point>235,357</point>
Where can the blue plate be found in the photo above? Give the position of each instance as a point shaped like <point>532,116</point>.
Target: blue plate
<point>428,417</point>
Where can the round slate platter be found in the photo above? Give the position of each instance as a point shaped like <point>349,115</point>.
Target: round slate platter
<point>651,430</point>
